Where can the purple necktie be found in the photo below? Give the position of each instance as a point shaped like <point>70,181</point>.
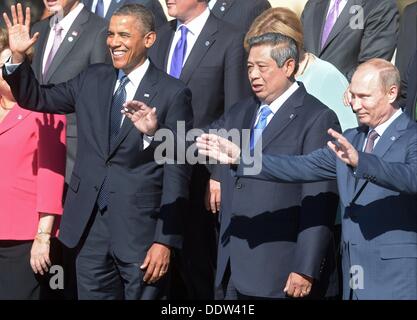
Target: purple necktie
<point>57,42</point>
<point>369,147</point>
<point>330,21</point>
<point>178,56</point>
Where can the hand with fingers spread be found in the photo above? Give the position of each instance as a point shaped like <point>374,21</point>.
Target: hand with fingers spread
<point>213,196</point>
<point>298,285</point>
<point>19,32</point>
<point>143,117</point>
<point>218,148</point>
<point>343,149</point>
<point>156,262</point>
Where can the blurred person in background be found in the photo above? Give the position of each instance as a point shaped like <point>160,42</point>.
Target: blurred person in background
<point>32,149</point>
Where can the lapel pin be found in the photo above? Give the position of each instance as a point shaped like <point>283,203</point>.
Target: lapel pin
<point>392,138</point>
<point>222,8</point>
<point>207,43</point>
<point>74,33</point>
<point>70,39</point>
<point>291,115</point>
<point>19,117</point>
<point>146,95</point>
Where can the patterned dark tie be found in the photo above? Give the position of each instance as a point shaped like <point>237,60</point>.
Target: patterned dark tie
<point>118,100</point>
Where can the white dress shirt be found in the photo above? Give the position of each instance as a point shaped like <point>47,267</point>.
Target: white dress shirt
<point>194,29</point>
<point>382,127</point>
<point>106,6</point>
<point>66,23</point>
<point>277,103</point>
<point>211,4</point>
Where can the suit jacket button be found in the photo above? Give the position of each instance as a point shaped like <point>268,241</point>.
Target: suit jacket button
<point>108,164</point>
<point>239,186</point>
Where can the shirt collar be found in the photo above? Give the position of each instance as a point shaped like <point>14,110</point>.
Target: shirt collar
<point>211,4</point>
<point>197,24</point>
<point>382,127</point>
<point>136,76</point>
<point>278,102</point>
<point>68,20</point>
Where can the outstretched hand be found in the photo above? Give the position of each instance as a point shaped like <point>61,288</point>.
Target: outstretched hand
<point>218,148</point>
<point>19,32</point>
<point>343,149</point>
<point>143,117</point>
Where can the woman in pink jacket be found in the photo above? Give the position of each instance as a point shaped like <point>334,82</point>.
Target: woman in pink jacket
<point>32,167</point>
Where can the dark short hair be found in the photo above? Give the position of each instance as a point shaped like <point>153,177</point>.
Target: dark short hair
<point>283,47</point>
<point>140,12</point>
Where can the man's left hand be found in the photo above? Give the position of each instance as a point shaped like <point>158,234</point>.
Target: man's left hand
<point>156,262</point>
<point>298,285</point>
<point>143,117</point>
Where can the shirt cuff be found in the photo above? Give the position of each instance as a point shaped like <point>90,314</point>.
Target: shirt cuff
<point>11,67</point>
<point>147,141</point>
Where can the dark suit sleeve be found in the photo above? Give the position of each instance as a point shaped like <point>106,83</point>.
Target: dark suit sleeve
<point>176,176</point>
<point>380,34</point>
<point>395,176</point>
<point>59,99</point>
<point>159,14</point>
<point>100,52</point>
<point>318,206</point>
<point>236,83</point>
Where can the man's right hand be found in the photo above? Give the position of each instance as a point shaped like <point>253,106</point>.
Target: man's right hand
<point>19,33</point>
<point>213,196</point>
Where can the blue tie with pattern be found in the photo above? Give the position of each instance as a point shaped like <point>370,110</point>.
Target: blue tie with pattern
<point>256,132</point>
<point>119,99</point>
<point>178,56</point>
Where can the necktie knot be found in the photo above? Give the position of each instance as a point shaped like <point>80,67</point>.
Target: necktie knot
<point>264,113</point>
<point>57,29</point>
<point>370,143</point>
<point>124,81</point>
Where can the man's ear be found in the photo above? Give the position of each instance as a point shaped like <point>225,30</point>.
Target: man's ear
<point>392,93</point>
<point>289,67</point>
<point>149,39</point>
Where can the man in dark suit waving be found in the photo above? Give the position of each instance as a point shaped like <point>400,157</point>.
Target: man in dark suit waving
<point>121,206</point>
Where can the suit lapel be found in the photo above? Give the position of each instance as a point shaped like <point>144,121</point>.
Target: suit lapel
<point>89,4</point>
<point>391,135</point>
<point>221,7</point>
<point>388,138</point>
<point>342,22</point>
<point>319,19</point>
<point>68,42</point>
<point>204,41</point>
<point>40,50</point>
<point>105,101</point>
<point>145,93</point>
<point>15,116</point>
<point>113,7</point>
<point>165,45</point>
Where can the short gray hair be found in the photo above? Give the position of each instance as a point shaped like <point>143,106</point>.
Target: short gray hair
<point>283,47</point>
<point>141,13</point>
